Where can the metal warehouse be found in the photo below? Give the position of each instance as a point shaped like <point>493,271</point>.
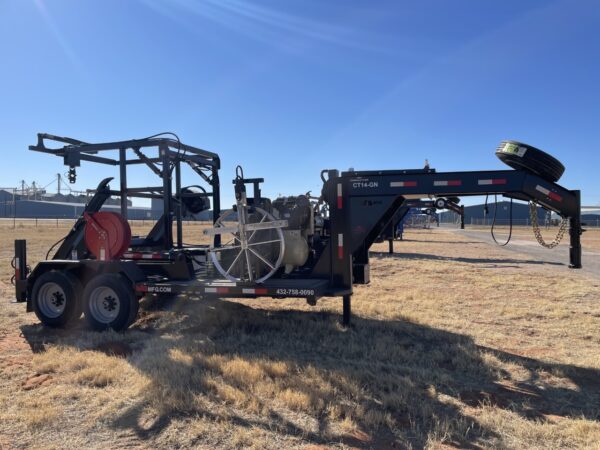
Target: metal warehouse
<point>24,204</point>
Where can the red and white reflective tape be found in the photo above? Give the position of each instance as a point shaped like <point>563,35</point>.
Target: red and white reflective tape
<point>403,184</point>
<point>339,195</point>
<point>216,290</point>
<point>447,183</point>
<point>492,181</point>
<point>340,246</point>
<point>257,291</point>
<point>17,270</point>
<point>139,255</point>
<point>551,195</point>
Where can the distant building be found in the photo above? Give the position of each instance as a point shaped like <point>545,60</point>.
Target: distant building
<point>41,205</point>
<point>58,206</point>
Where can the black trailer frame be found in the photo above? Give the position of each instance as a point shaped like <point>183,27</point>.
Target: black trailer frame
<point>360,203</point>
<point>365,201</point>
<point>389,232</point>
<point>170,154</point>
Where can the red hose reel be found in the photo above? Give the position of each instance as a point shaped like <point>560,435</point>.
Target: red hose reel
<point>107,235</point>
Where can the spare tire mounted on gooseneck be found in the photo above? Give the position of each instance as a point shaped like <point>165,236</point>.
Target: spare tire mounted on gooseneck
<point>525,157</point>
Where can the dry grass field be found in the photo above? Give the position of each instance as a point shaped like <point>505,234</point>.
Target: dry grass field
<point>590,239</point>
<point>456,344</point>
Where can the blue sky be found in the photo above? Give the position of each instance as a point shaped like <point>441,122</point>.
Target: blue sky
<point>287,88</point>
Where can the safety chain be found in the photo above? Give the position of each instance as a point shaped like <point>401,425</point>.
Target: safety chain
<point>13,264</point>
<point>536,228</point>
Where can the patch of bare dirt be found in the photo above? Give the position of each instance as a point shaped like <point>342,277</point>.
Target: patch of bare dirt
<point>36,381</point>
<point>15,352</point>
<point>379,440</point>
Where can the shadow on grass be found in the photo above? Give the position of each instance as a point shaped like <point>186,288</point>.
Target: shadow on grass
<point>399,381</point>
<point>427,256</point>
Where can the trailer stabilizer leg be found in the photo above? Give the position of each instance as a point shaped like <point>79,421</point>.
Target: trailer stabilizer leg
<point>21,271</point>
<point>575,245</point>
<point>575,232</point>
<point>346,312</point>
<point>391,246</point>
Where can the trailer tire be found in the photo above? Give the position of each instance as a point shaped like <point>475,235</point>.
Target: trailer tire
<point>440,203</point>
<point>133,312</point>
<point>110,302</point>
<point>55,297</point>
<point>521,156</point>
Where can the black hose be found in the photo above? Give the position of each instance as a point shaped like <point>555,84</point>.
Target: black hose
<point>54,245</point>
<point>196,185</point>
<point>510,229</point>
<point>322,177</point>
<point>240,187</point>
<point>169,133</point>
<point>239,173</point>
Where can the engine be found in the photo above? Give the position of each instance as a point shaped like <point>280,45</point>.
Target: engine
<point>194,200</point>
<point>298,212</point>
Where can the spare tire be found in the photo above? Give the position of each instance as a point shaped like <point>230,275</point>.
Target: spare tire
<point>525,157</point>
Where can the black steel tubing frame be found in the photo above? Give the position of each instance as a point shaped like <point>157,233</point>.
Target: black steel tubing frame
<point>171,153</point>
<point>362,203</point>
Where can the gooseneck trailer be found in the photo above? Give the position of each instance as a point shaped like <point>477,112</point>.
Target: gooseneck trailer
<point>298,246</point>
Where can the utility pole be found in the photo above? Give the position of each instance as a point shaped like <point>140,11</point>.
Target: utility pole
<point>58,183</point>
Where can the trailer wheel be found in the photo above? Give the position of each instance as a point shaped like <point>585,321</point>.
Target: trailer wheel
<point>55,298</point>
<point>110,302</point>
<point>133,312</point>
<point>440,203</point>
<point>525,157</point>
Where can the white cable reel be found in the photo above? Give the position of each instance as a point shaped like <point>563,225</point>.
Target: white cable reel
<point>256,245</point>
<point>255,249</point>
